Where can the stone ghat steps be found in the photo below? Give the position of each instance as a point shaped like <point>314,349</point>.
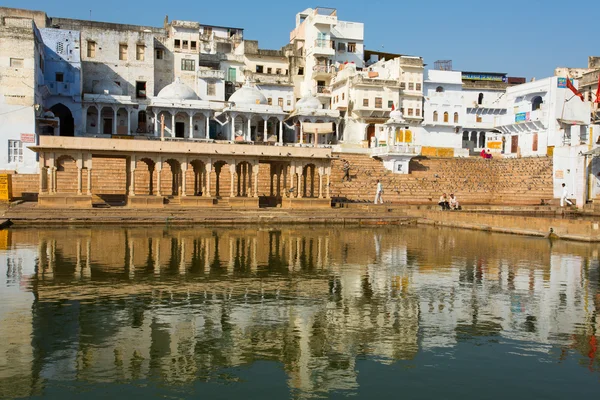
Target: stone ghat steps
<point>473,180</point>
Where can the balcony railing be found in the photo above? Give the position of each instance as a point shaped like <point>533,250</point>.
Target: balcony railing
<point>324,69</point>
<point>324,43</point>
<point>397,149</point>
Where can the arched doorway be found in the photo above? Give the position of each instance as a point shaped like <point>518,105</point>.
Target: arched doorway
<point>67,124</point>
<point>370,134</point>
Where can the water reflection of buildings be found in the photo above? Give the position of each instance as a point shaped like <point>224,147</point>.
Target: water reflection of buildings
<point>178,305</point>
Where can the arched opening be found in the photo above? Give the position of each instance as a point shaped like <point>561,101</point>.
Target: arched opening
<point>171,178</point>
<point>480,99</point>
<point>370,136</point>
<point>536,103</point>
<point>122,125</point>
<point>474,137</point>
<point>481,140</point>
<point>435,116</point>
<point>222,180</point>
<point>244,179</point>
<point>446,117</point>
<point>465,136</point>
<point>199,171</point>
<point>142,126</point>
<point>145,177</point>
<point>308,177</point>
<point>439,89</point>
<point>107,121</point>
<point>66,175</point>
<point>456,118</point>
<point>67,124</point>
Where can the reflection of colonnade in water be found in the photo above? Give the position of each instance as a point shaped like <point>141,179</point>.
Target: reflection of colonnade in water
<point>199,252</point>
<point>337,302</point>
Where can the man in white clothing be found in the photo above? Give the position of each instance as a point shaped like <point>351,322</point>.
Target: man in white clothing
<point>564,197</point>
<point>379,193</point>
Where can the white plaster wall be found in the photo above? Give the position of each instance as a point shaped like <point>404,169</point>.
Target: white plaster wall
<point>571,165</point>
<point>276,91</point>
<point>438,136</point>
<point>15,120</point>
<point>202,89</point>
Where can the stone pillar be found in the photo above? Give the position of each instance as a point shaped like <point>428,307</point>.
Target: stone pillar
<point>337,131</point>
<point>79,180</point>
<point>155,124</point>
<point>206,191</point>
<point>42,167</point>
<point>249,132</point>
<point>99,119</point>
<point>281,132</point>
<point>158,169</point>
<point>132,165</point>
<point>184,167</point>
<point>328,174</point>
<point>191,125</point>
<point>207,130</point>
<point>301,132</point>
<point>255,172</point>
<point>52,170</point>
<point>265,136</point>
<point>232,172</point>
<point>316,139</point>
<point>299,192</point>
<point>84,119</point>
<point>89,180</point>
<point>292,183</point>
<point>320,183</point>
<point>114,127</point>
<point>172,124</point>
<point>284,190</point>
<point>128,121</point>
<point>232,133</point>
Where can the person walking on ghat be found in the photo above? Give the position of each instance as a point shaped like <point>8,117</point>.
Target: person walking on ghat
<point>379,193</point>
<point>564,197</point>
<point>346,169</point>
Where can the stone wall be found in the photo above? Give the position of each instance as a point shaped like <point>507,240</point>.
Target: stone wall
<point>472,180</point>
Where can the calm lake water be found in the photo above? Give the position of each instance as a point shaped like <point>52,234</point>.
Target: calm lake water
<point>412,312</point>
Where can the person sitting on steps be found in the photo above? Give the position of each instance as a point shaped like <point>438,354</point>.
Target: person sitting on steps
<point>454,205</point>
<point>444,202</point>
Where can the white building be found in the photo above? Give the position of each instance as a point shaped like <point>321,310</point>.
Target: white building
<point>444,110</point>
<point>22,65</point>
<point>484,99</point>
<point>545,118</point>
<point>325,43</point>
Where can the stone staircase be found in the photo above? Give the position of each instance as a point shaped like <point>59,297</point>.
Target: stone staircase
<point>524,181</point>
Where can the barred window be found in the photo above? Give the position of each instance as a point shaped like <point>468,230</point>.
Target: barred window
<point>188,65</point>
<point>15,151</point>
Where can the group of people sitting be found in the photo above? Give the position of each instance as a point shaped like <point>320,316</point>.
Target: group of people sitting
<point>486,154</point>
<point>449,203</point>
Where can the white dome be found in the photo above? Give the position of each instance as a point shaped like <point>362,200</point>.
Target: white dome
<point>396,117</point>
<point>396,114</point>
<point>248,95</point>
<point>308,102</point>
<point>106,86</point>
<point>177,91</point>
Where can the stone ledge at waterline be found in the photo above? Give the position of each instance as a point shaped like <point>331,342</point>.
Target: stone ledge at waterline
<point>585,229</point>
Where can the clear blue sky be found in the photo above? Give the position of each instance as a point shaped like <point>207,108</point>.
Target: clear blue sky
<point>523,38</point>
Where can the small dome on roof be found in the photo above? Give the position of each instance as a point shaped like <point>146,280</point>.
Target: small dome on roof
<point>396,117</point>
<point>106,86</point>
<point>308,102</point>
<point>248,94</point>
<point>177,91</point>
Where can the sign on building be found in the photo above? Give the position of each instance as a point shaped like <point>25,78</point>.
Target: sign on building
<point>522,117</point>
<point>28,137</point>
